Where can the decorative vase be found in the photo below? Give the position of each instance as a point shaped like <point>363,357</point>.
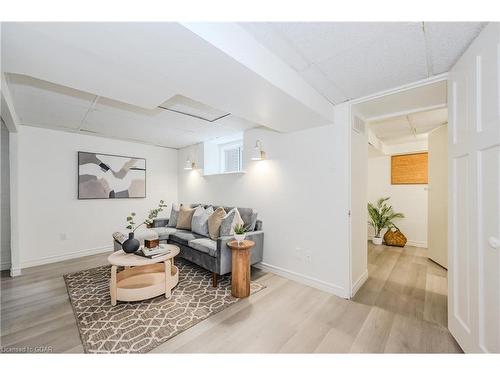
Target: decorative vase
<point>377,240</point>
<point>131,245</point>
<point>239,237</point>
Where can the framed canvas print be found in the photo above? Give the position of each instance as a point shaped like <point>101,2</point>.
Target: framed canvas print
<point>409,169</point>
<point>103,176</point>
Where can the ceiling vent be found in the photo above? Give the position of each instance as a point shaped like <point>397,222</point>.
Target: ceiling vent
<point>358,125</point>
<point>189,107</point>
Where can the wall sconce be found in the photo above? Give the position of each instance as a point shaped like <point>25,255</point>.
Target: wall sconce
<point>258,153</point>
<point>189,165</point>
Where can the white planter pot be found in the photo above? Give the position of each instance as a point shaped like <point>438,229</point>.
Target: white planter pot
<point>239,237</point>
<point>377,240</point>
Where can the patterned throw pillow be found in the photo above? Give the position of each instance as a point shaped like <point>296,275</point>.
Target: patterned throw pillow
<point>229,221</point>
<point>185,218</point>
<point>174,214</point>
<point>199,224</point>
<point>214,222</point>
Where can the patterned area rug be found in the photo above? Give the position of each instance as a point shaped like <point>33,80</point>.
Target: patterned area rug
<point>138,327</point>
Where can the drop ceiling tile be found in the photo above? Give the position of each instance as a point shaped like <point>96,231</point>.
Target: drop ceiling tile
<point>378,65</point>
<point>319,41</point>
<point>448,41</point>
<point>156,126</point>
<point>41,103</point>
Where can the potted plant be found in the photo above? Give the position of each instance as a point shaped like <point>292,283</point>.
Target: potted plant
<point>239,233</point>
<point>381,217</point>
<point>131,245</point>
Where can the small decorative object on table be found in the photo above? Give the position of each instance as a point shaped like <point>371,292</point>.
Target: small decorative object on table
<point>151,244</point>
<point>394,237</point>
<point>132,245</point>
<point>381,217</point>
<point>239,233</point>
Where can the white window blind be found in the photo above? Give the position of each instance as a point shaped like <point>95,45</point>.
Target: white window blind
<point>231,155</point>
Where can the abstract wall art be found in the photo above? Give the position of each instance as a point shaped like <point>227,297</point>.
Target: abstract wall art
<point>102,176</point>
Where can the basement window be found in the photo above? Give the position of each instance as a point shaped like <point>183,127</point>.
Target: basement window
<point>223,155</point>
<point>231,155</point>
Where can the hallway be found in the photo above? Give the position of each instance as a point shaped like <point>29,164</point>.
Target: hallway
<point>409,294</point>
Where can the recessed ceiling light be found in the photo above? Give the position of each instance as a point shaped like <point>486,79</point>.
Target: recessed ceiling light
<point>189,107</point>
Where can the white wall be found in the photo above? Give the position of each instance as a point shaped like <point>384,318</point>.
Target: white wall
<point>301,193</point>
<point>411,200</point>
<point>438,196</point>
<point>4,199</point>
<point>53,223</point>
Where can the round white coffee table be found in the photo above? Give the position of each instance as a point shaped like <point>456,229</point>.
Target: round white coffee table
<point>142,278</point>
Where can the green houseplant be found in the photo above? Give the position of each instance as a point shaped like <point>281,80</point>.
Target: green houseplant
<point>239,233</point>
<point>381,217</point>
<point>131,245</point>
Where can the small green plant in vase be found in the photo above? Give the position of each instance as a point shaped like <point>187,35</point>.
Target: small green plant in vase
<point>239,233</point>
<point>131,245</point>
<point>381,217</point>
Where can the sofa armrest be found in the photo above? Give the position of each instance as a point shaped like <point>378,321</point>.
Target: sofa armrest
<point>160,223</point>
<point>224,252</point>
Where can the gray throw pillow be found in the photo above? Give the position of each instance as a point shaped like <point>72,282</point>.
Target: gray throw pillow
<point>253,222</point>
<point>174,215</point>
<point>199,223</point>
<point>229,221</point>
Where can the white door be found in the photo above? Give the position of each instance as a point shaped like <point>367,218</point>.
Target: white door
<point>474,200</point>
<point>437,212</point>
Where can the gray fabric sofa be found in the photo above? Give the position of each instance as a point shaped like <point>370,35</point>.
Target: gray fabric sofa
<point>214,256</point>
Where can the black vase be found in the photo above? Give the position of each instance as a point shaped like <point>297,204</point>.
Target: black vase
<point>131,245</point>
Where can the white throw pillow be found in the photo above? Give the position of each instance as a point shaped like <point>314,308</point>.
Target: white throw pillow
<point>229,221</point>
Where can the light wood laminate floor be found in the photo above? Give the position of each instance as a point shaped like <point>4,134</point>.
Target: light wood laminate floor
<point>401,308</point>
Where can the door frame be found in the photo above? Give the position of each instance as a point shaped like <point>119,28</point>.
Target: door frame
<point>354,285</point>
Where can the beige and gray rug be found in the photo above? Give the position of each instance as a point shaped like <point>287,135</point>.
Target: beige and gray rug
<point>138,327</point>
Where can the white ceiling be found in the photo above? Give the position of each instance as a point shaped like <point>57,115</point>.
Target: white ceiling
<point>43,104</point>
<point>145,64</point>
<point>110,78</point>
<point>347,60</point>
<point>408,128</point>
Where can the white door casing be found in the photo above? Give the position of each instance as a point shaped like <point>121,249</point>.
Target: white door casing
<point>474,199</point>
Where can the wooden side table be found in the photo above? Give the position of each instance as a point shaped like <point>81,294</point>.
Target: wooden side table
<point>240,274</point>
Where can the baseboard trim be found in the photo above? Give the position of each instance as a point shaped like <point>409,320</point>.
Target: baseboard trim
<point>359,283</point>
<point>15,272</point>
<point>303,279</point>
<point>66,256</point>
<point>410,243</point>
<point>416,243</point>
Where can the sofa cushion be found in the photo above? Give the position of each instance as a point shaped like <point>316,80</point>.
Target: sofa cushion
<point>164,232</point>
<point>205,245</point>
<point>174,214</point>
<point>185,218</point>
<point>214,223</point>
<point>183,237</point>
<point>229,221</point>
<point>248,215</point>
<point>199,223</point>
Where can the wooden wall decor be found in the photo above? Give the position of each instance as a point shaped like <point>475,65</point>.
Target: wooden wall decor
<point>409,169</point>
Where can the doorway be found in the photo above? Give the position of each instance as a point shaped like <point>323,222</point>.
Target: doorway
<point>407,283</point>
